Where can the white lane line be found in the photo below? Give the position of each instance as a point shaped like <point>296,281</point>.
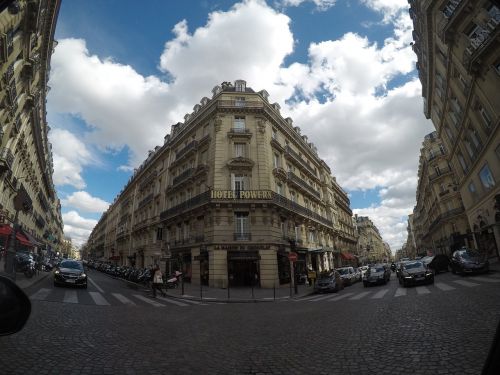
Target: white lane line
<point>486,280</point>
<point>172,301</point>
<point>380,294</point>
<point>95,285</point>
<point>70,296</point>
<point>400,292</point>
<point>41,294</point>
<point>308,297</point>
<point>147,300</point>
<point>443,286</point>
<point>360,295</point>
<point>465,283</point>
<point>320,298</point>
<point>123,299</point>
<point>99,299</point>
<point>342,296</point>
<point>422,290</point>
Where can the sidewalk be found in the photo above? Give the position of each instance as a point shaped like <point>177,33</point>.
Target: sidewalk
<point>238,294</point>
<point>22,281</point>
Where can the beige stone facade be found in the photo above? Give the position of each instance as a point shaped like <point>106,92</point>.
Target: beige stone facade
<point>371,247</point>
<point>26,45</point>
<point>439,220</point>
<point>458,49</point>
<point>230,193</point>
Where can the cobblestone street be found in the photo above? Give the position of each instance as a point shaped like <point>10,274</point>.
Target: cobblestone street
<point>441,332</point>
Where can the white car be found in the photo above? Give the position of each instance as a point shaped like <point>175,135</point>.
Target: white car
<point>348,275</point>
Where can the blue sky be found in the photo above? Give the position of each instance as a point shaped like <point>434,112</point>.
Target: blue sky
<point>121,65</point>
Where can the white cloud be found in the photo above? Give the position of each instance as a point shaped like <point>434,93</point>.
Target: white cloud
<point>367,131</point>
<point>77,227</point>
<point>70,155</point>
<point>85,202</point>
<point>321,5</point>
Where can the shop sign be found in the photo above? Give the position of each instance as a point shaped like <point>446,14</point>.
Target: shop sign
<point>241,194</point>
<point>242,247</point>
<point>311,274</point>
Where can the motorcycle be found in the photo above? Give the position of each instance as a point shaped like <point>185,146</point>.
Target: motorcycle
<point>173,281</point>
<point>26,265</point>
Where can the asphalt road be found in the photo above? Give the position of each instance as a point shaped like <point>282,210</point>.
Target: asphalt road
<point>446,328</point>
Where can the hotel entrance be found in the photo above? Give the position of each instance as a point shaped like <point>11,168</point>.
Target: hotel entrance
<point>243,268</point>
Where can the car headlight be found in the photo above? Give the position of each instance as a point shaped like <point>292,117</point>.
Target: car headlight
<point>57,272</point>
<point>83,276</point>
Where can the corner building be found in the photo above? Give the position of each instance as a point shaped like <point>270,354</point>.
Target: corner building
<point>458,48</point>
<point>232,191</point>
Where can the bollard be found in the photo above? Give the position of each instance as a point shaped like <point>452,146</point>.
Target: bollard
<point>253,297</point>
<point>201,291</point>
<point>274,291</point>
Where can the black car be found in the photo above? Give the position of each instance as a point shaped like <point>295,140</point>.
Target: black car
<point>377,274</point>
<point>329,282</point>
<point>439,263</point>
<point>466,261</point>
<point>414,273</point>
<point>70,272</point>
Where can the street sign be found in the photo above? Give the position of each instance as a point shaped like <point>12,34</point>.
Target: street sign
<point>292,257</point>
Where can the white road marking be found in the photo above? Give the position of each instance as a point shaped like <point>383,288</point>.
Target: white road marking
<point>308,297</point>
<point>400,292</point>
<point>70,296</point>
<point>172,301</point>
<point>147,300</point>
<point>422,290</point>
<point>321,298</point>
<point>95,285</point>
<point>360,295</point>
<point>41,294</point>
<point>465,283</point>
<point>443,286</point>
<point>99,299</point>
<point>486,280</point>
<point>336,298</point>
<point>380,293</point>
<point>123,299</point>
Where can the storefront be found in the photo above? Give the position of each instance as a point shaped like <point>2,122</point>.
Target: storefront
<point>243,268</point>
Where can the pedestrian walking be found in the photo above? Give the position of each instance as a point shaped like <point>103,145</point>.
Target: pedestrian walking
<point>157,281</point>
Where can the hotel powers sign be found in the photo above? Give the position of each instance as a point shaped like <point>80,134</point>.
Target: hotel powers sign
<point>242,194</point>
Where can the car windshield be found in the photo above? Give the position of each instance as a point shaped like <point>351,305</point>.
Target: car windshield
<point>469,254</point>
<point>377,269</point>
<point>70,264</point>
<point>413,265</point>
<point>343,271</point>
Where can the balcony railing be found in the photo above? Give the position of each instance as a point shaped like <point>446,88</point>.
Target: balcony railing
<point>146,200</point>
<point>183,176</point>
<point>297,157</point>
<point>189,147</point>
<point>300,182</point>
<point>240,130</point>
<point>240,104</point>
<point>190,203</point>
<point>482,37</point>
<point>242,236</point>
<point>6,159</point>
<point>147,181</point>
<point>293,206</point>
<point>442,172</point>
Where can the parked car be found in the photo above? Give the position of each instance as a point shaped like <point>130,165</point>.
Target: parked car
<point>439,263</point>
<point>466,261</point>
<point>414,273</point>
<point>347,274</point>
<point>357,273</point>
<point>329,282</point>
<point>70,272</point>
<point>376,274</point>
<point>399,267</point>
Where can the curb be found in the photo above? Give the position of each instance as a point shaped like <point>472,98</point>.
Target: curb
<point>36,281</point>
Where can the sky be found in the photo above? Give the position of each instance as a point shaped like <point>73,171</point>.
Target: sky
<point>124,71</point>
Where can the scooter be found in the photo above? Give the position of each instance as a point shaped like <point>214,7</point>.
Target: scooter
<point>173,281</point>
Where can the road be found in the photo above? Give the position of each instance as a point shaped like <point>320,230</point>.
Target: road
<point>446,328</point>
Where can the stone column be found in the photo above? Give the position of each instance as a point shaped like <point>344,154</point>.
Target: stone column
<point>268,269</point>
<point>217,268</point>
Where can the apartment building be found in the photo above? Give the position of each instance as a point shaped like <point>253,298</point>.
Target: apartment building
<point>457,45</point>
<point>231,192</point>
<point>371,247</point>
<point>27,193</point>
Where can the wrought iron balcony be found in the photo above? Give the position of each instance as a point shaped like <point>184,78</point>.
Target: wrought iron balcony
<point>293,206</point>
<point>183,176</point>
<point>189,147</point>
<point>146,200</point>
<point>304,185</point>
<point>482,38</point>
<point>442,172</point>
<point>290,152</point>
<point>187,205</point>
<point>240,104</point>
<point>6,159</point>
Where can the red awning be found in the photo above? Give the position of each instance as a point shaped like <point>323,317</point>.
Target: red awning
<point>6,230</point>
<point>347,256</point>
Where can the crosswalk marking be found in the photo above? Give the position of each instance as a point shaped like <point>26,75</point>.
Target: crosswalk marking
<point>313,296</point>
<point>359,296</point>
<point>422,290</point>
<point>172,301</point>
<point>95,285</point>
<point>99,299</point>
<point>41,294</point>
<point>70,296</point>
<point>380,294</point>
<point>486,280</point>
<point>340,297</point>
<point>147,300</point>
<point>443,286</point>
<point>465,283</point>
<point>123,299</point>
<point>321,298</point>
<point>400,292</point>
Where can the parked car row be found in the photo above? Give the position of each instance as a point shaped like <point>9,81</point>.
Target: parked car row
<point>136,275</point>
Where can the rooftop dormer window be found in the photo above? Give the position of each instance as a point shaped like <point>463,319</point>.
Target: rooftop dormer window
<point>240,85</point>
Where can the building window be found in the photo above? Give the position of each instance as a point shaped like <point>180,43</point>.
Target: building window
<point>205,130</point>
<point>297,233</point>
<point>189,194</point>
<point>472,189</point>
<point>293,197</point>
<point>485,116</point>
<point>450,134</point>
<point>238,183</point>
<point>275,134</point>
<point>486,177</point>
<point>241,230</point>
<point>442,149</point>
<point>239,101</point>
<point>463,163</point>
<point>186,230</point>
<point>276,160</point>
<point>283,228</point>
<point>159,234</point>
<point>497,67</point>
<point>312,236</point>
<point>203,157</point>
<point>239,123</point>
<point>497,151</point>
<point>279,188</point>
<point>239,150</point>
<point>240,86</point>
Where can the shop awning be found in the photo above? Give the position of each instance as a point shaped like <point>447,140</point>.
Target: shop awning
<point>6,230</point>
<point>32,239</point>
<point>347,256</point>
